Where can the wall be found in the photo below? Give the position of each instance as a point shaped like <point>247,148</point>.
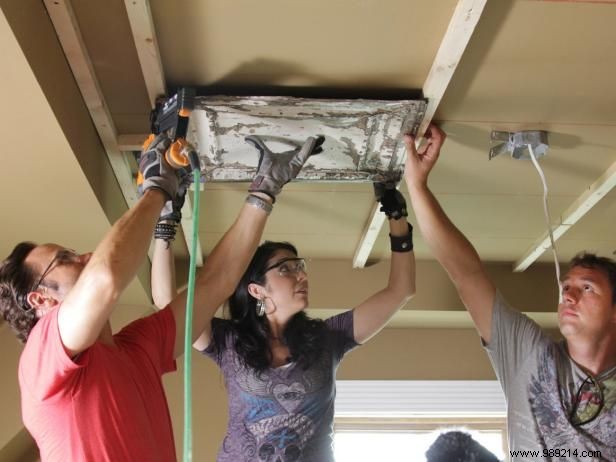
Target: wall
<point>395,354</point>
<point>412,353</point>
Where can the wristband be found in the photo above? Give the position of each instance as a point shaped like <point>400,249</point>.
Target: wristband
<point>402,243</point>
<point>259,203</point>
<point>165,231</point>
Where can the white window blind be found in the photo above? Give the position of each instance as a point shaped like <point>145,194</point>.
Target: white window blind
<point>417,398</point>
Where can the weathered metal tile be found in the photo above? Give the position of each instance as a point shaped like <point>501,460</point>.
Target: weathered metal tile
<point>362,137</point>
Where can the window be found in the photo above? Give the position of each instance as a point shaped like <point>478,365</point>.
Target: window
<point>398,420</point>
<point>406,440</point>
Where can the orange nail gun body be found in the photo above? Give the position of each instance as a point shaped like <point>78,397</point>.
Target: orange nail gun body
<point>171,116</point>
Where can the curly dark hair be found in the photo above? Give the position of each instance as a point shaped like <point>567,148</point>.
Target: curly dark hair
<point>592,261</point>
<point>16,280</point>
<point>304,336</point>
<point>457,446</point>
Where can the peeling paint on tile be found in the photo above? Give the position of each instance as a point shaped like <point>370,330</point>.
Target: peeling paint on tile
<point>362,137</point>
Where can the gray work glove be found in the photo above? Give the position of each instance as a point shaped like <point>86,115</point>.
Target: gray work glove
<point>172,210</point>
<point>277,169</point>
<point>392,201</point>
<point>155,170</point>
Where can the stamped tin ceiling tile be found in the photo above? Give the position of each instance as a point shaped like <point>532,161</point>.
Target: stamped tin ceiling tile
<point>363,138</point>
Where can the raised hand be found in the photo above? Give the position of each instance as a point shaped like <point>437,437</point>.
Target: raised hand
<point>392,201</point>
<point>172,210</point>
<point>419,162</point>
<point>155,170</point>
<point>277,169</point>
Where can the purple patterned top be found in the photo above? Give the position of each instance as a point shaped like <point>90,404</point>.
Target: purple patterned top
<point>285,414</point>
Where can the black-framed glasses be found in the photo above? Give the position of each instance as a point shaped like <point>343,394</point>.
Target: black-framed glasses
<point>62,256</point>
<point>588,402</point>
<point>290,266</point>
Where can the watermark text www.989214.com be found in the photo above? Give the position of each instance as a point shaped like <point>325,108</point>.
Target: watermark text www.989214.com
<point>561,452</point>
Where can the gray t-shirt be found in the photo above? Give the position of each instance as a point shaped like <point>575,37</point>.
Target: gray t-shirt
<point>541,382</point>
<point>286,413</point>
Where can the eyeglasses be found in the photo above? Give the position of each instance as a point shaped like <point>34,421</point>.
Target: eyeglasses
<point>588,402</point>
<point>288,266</point>
<point>62,257</point>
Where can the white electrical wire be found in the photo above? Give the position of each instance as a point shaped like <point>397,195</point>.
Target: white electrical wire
<point>548,219</point>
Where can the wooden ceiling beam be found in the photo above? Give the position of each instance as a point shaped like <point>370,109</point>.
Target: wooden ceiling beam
<point>580,207</point>
<point>67,30</point>
<point>458,34</point>
<point>144,36</point>
<point>132,142</point>
<point>71,40</point>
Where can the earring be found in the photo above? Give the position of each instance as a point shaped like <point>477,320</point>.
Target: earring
<point>260,307</point>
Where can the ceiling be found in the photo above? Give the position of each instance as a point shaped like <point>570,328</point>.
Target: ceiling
<point>528,65</point>
<point>75,95</point>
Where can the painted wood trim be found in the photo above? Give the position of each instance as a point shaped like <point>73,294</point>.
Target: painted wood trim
<point>144,35</point>
<point>582,205</point>
<point>461,27</point>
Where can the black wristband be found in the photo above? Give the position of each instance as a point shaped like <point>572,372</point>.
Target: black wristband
<point>402,243</point>
<point>165,231</point>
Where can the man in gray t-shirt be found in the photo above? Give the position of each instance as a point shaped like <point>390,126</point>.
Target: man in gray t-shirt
<point>542,385</point>
<point>561,397</point>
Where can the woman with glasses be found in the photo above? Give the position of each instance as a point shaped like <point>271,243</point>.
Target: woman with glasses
<point>279,364</point>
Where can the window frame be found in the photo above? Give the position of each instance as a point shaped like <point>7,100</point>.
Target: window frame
<point>420,406</point>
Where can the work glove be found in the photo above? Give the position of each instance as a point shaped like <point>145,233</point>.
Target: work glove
<point>155,170</point>
<point>392,201</point>
<point>172,210</point>
<point>277,169</point>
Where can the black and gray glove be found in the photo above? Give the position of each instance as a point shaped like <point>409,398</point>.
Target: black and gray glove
<point>155,170</point>
<point>392,201</point>
<point>277,169</point>
<point>172,210</point>
<point>171,214</point>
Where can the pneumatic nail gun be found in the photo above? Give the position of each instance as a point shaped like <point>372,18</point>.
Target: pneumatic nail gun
<point>171,116</point>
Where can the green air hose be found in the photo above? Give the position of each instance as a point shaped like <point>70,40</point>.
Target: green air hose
<point>189,315</point>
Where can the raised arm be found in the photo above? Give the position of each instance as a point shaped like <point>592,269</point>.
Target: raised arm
<point>87,307</point>
<point>163,274</point>
<point>374,313</point>
<point>453,251</point>
<point>163,281</point>
<point>229,259</point>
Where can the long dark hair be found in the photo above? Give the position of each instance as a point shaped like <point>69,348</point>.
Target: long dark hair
<point>304,336</point>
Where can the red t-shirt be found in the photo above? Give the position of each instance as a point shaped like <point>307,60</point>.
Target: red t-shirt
<point>108,403</point>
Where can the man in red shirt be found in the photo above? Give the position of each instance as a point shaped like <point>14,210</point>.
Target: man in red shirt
<point>90,395</point>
